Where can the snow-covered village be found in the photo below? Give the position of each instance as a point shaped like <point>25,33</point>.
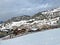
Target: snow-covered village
<point>22,27</point>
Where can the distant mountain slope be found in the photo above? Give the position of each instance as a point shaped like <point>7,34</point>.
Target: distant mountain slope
<point>26,17</point>
<point>40,15</point>
<point>1,22</point>
<point>52,13</point>
<point>19,18</point>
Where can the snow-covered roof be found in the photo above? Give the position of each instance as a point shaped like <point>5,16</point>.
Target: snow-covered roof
<point>50,37</point>
<point>34,29</point>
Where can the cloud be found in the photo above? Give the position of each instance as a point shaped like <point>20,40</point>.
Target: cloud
<point>29,7</point>
<point>36,7</point>
<point>32,10</point>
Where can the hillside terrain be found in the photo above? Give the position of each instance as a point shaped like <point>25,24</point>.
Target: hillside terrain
<point>40,15</point>
<point>22,25</point>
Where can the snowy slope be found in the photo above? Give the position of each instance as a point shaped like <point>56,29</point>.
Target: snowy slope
<point>50,37</point>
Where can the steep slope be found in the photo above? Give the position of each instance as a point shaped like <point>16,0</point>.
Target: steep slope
<point>18,18</point>
<point>52,13</point>
<point>39,16</point>
<point>26,17</point>
<point>50,37</point>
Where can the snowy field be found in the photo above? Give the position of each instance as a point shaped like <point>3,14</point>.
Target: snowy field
<point>50,37</point>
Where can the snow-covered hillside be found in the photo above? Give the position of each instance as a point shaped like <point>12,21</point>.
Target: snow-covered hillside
<point>50,37</point>
<point>38,23</point>
<point>52,11</point>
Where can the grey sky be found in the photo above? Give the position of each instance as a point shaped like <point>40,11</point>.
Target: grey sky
<point>10,8</point>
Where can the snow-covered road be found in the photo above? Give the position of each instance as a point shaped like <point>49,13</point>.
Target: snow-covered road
<point>50,37</point>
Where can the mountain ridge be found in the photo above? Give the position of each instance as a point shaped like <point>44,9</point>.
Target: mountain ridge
<point>38,16</point>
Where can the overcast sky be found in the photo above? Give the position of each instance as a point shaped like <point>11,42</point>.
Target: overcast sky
<point>10,8</point>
